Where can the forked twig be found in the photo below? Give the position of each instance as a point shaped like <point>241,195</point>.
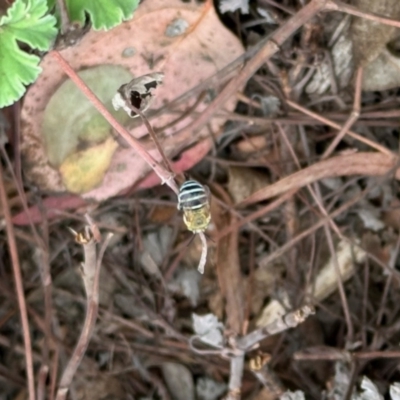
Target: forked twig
<point>328,122</point>
<point>283,323</point>
<point>352,118</point>
<point>246,343</point>
<point>91,277</point>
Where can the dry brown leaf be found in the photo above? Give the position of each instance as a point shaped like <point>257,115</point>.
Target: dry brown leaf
<point>148,43</point>
<point>161,214</point>
<point>383,73</point>
<point>245,181</point>
<point>370,37</point>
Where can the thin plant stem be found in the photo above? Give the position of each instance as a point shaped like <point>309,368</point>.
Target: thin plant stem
<point>342,293</point>
<point>62,9</point>
<point>153,135</point>
<point>337,5</point>
<point>235,376</point>
<point>165,176</point>
<point>12,245</point>
<point>280,324</point>
<point>43,262</point>
<point>41,387</point>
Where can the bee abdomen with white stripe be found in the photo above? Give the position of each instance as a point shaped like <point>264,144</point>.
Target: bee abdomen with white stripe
<point>193,199</point>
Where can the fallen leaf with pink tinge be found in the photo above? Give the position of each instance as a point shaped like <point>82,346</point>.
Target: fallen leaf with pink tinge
<point>181,40</point>
<point>52,207</point>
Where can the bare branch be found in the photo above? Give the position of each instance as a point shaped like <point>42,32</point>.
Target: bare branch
<point>91,277</point>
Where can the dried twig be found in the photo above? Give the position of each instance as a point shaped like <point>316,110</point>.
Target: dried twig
<point>290,320</point>
<point>235,377</point>
<point>337,5</point>
<point>246,343</point>
<point>43,264</point>
<point>366,164</point>
<point>12,245</point>
<point>352,118</point>
<point>91,277</point>
<point>41,387</point>
<point>153,135</point>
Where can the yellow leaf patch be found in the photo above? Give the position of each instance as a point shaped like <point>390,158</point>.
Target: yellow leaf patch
<point>84,170</point>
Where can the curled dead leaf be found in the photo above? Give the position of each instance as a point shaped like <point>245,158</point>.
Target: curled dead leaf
<point>137,93</point>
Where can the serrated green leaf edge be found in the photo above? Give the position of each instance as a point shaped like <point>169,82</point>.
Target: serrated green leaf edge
<point>104,14</point>
<point>26,21</point>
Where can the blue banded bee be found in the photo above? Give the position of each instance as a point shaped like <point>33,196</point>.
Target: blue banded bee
<point>193,199</point>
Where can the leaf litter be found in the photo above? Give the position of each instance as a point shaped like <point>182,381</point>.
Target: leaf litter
<point>320,232</point>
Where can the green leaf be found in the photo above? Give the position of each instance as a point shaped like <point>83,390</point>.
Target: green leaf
<point>26,21</point>
<point>104,14</point>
